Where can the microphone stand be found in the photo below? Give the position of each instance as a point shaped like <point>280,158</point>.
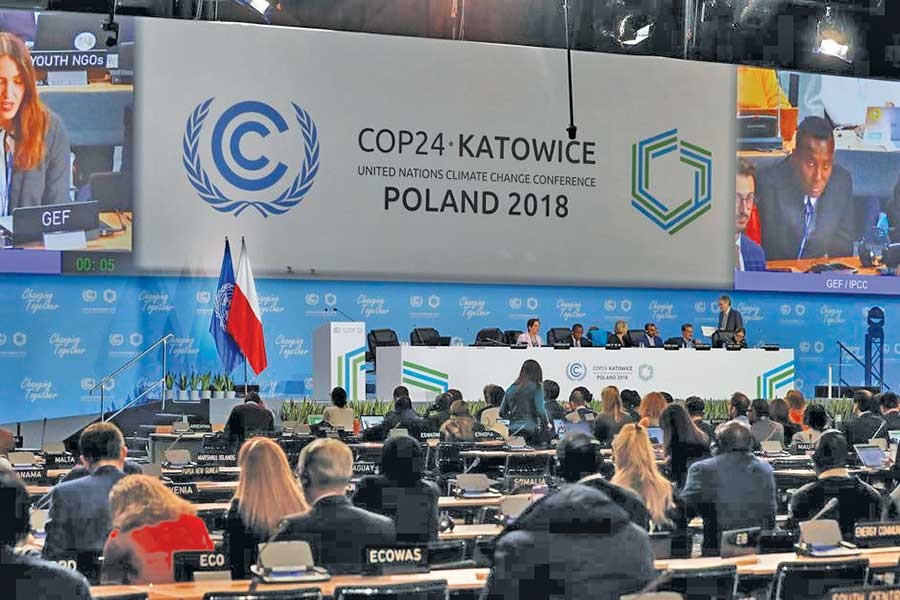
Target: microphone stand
<point>571,129</point>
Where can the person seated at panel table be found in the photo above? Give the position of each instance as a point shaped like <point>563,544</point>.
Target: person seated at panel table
<point>815,421</point>
<point>27,576</point>
<point>401,493</point>
<point>868,423</point>
<point>35,145</point>
<point>857,501</point>
<point>461,425</point>
<point>740,337</point>
<point>619,335</point>
<point>806,201</point>
<point>577,338</point>
<point>732,490</point>
<point>750,255</point>
<point>248,417</point>
<point>532,337</point>
<point>150,524</point>
<point>339,414</point>
<point>267,492</point>
<point>337,531</point>
<point>79,519</point>
<point>651,337</point>
<point>687,339</point>
<point>763,428</point>
<point>559,547</point>
<point>579,411</point>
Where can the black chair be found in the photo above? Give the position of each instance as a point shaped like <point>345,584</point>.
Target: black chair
<point>298,594</point>
<point>721,337</point>
<point>718,583</point>
<point>673,340</point>
<point>424,336</point>
<point>412,510</point>
<point>813,580</point>
<point>636,335</point>
<point>511,336</point>
<point>490,336</point>
<point>429,590</point>
<point>447,462</point>
<point>558,335</point>
<point>378,338</point>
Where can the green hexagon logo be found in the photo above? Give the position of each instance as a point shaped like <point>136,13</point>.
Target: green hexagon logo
<point>671,215</point>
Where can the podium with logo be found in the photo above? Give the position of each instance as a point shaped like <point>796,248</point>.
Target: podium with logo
<point>339,359</point>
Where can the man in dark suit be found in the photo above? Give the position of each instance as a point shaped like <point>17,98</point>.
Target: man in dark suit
<point>730,319</point>
<point>750,255</point>
<point>687,336</point>
<point>651,337</point>
<point>696,409</point>
<point>732,490</point>
<point>250,416</point>
<point>806,201</point>
<point>577,339</point>
<point>868,423</point>
<point>857,501</point>
<point>890,410</point>
<point>24,575</point>
<point>79,519</point>
<point>337,531</point>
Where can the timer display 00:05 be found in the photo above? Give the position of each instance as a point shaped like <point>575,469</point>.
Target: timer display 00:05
<point>86,264</point>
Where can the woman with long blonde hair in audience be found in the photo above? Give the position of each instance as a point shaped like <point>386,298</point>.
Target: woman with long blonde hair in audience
<point>150,523</point>
<point>636,470</point>
<point>651,408</point>
<point>267,493</point>
<point>612,416</point>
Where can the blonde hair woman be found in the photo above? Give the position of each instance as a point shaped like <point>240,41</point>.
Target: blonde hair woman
<point>267,493</point>
<point>619,335</point>
<point>636,470</point>
<point>651,408</point>
<point>612,416</point>
<point>150,523</point>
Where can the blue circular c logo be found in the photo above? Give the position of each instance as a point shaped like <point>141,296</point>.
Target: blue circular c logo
<point>576,371</point>
<point>234,146</point>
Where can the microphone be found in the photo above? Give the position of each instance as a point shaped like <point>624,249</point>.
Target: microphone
<point>282,526</point>
<point>342,313</point>
<point>474,464</point>
<point>829,506</point>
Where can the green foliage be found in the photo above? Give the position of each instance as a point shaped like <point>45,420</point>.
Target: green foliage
<point>218,382</point>
<point>291,410</point>
<point>229,383</point>
<point>371,407</point>
<point>182,382</point>
<point>205,380</point>
<point>170,381</point>
<point>195,381</point>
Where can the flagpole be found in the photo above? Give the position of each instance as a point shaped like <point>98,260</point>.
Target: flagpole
<point>246,383</point>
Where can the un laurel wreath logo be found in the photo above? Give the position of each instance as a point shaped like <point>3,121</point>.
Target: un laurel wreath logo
<point>209,192</point>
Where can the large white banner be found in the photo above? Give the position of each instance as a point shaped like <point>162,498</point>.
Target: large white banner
<point>365,156</point>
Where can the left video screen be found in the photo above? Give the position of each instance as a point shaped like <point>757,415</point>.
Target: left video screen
<point>66,141</point>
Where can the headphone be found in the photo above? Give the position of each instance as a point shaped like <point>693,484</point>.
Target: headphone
<point>446,523</point>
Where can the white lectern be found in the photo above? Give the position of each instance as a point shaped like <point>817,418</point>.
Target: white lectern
<point>339,357</point>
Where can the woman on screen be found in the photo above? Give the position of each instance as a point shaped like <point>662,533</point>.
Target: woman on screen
<point>35,144</point>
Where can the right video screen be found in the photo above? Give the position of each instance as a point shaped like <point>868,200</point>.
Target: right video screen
<point>817,196</point>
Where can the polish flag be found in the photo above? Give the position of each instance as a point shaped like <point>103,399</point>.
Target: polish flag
<point>245,318</point>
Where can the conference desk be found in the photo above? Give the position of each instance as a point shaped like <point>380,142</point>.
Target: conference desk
<point>119,241</point>
<point>764,565</point>
<point>428,371</point>
<point>804,264</point>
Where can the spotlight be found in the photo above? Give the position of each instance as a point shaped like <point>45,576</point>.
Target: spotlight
<point>633,29</point>
<point>263,7</point>
<point>832,38</point>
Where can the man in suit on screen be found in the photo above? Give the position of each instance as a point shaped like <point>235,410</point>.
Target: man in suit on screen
<point>806,201</point>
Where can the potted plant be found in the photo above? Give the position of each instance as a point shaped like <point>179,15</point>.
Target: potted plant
<point>218,387</point>
<point>183,383</point>
<point>229,387</point>
<point>205,390</point>
<point>195,387</point>
<point>170,384</point>
<point>291,413</point>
